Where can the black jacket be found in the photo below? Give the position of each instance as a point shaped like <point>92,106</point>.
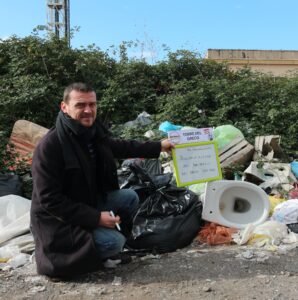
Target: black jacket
<point>63,210</point>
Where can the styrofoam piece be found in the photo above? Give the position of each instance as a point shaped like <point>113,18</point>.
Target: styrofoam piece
<point>235,203</point>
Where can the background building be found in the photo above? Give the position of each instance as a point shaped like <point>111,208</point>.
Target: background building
<point>276,62</point>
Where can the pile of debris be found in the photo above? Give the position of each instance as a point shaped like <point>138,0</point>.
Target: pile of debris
<point>263,215</point>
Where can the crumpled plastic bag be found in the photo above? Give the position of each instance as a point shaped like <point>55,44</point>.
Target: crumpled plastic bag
<point>294,167</point>
<point>270,234</point>
<point>11,257</point>
<point>274,201</point>
<point>14,217</point>
<point>225,134</point>
<point>168,126</point>
<point>198,188</point>
<point>8,252</point>
<point>286,212</point>
<point>142,119</point>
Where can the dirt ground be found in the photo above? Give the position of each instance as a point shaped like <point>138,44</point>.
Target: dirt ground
<point>195,272</point>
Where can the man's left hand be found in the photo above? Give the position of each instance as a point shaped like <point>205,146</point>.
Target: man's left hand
<point>167,145</point>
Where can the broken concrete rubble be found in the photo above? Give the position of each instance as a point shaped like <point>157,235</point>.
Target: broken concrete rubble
<point>274,176</point>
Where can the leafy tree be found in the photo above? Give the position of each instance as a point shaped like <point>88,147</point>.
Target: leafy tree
<point>130,91</point>
<point>184,89</point>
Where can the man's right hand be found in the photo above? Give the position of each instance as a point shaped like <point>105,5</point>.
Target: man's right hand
<point>106,220</point>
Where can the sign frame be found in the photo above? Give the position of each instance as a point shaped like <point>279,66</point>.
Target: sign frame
<point>216,161</point>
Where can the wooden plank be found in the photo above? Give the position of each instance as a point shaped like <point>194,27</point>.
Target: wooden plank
<point>231,145</point>
<point>259,142</point>
<point>241,157</point>
<point>233,150</point>
<point>267,147</point>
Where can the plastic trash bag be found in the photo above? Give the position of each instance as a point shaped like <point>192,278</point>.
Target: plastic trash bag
<point>168,219</point>
<point>168,126</point>
<point>10,184</point>
<point>198,188</point>
<point>269,234</point>
<point>139,175</point>
<point>14,217</point>
<point>286,212</point>
<point>142,119</point>
<point>274,201</point>
<point>294,167</point>
<point>225,134</point>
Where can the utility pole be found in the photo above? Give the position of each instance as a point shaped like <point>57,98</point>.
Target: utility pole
<point>58,18</point>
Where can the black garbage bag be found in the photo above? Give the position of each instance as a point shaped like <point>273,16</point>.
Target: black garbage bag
<point>10,184</point>
<point>126,175</point>
<point>143,176</point>
<point>168,219</point>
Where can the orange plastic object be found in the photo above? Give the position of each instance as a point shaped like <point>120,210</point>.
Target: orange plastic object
<point>214,234</point>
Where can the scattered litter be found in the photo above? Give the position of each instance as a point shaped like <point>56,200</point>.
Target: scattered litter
<point>270,235</point>
<point>111,263</point>
<point>8,252</point>
<point>149,134</point>
<point>241,237</point>
<point>270,176</point>
<point>214,234</point>
<point>293,194</point>
<point>117,281</point>
<point>37,289</point>
<point>274,201</point>
<point>142,119</point>
<point>286,212</point>
<point>259,256</point>
<point>150,256</point>
<point>207,289</point>
<point>19,260</point>
<point>248,254</point>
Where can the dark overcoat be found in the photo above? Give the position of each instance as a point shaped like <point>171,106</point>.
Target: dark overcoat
<point>63,210</point>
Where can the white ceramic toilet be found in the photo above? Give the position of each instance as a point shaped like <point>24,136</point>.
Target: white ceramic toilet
<point>235,203</point>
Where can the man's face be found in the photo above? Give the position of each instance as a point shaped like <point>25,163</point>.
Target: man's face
<point>81,107</point>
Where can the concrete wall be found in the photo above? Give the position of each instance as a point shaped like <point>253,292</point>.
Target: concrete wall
<point>277,63</point>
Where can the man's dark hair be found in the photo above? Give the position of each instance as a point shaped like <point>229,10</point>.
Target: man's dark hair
<point>76,86</point>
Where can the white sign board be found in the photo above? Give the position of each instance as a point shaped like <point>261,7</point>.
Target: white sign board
<point>197,162</point>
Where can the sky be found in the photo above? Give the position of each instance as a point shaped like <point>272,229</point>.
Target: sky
<point>195,25</point>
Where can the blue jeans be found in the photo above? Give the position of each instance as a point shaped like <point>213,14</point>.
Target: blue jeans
<point>124,203</point>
